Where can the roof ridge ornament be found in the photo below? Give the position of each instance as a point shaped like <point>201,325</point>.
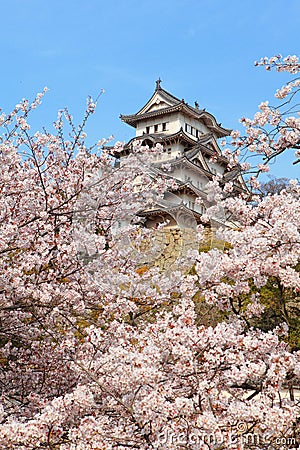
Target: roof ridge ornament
<point>158,86</point>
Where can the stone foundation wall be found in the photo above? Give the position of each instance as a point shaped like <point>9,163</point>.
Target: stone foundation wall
<point>169,247</point>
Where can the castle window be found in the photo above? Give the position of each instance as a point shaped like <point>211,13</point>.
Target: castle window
<point>164,126</point>
<point>147,130</point>
<point>155,128</point>
<point>188,128</point>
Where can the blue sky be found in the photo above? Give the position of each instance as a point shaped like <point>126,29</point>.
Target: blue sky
<point>203,50</point>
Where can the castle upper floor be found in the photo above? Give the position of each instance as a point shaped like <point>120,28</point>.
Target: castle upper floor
<point>164,114</point>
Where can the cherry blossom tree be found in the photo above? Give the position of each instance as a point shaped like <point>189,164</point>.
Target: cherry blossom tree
<point>100,352</point>
<point>273,129</point>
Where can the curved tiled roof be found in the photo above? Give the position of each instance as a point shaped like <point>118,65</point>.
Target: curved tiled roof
<point>184,160</point>
<point>161,137</point>
<point>173,209</point>
<point>157,138</point>
<point>207,118</point>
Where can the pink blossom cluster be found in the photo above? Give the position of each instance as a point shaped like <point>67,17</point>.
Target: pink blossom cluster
<point>288,63</point>
<point>273,129</point>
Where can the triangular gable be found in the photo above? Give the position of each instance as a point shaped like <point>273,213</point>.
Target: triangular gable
<point>159,100</point>
<point>210,142</point>
<point>159,104</point>
<point>199,156</point>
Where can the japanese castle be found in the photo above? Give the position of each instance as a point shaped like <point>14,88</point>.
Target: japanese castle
<point>188,135</point>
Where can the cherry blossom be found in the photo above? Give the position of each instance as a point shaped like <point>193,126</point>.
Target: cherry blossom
<point>101,351</point>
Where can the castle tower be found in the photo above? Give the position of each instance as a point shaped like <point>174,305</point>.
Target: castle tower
<point>189,137</point>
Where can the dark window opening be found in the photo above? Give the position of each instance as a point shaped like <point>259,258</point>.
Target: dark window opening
<point>148,142</point>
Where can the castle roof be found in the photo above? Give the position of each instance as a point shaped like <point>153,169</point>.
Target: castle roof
<point>169,210</point>
<point>156,138</point>
<point>162,103</point>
